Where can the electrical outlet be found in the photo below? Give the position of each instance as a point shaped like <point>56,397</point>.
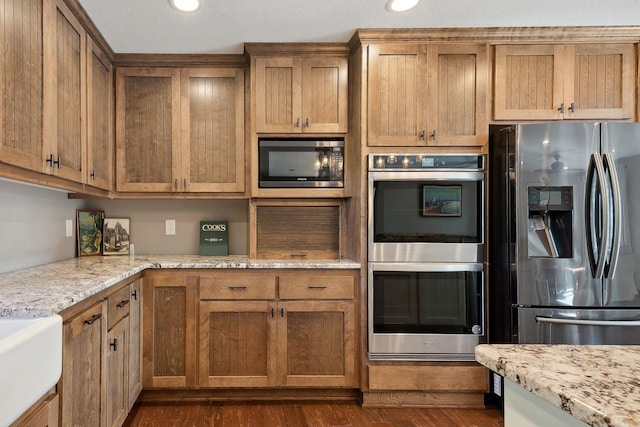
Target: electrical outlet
<point>69,228</point>
<point>170,227</point>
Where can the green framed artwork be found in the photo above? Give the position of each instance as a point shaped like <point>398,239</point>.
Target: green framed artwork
<point>89,232</point>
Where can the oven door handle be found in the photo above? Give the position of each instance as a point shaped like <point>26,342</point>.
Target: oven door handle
<point>426,266</point>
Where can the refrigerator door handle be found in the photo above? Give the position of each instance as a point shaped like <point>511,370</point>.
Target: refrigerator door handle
<point>615,224</point>
<point>597,246</point>
<point>544,319</point>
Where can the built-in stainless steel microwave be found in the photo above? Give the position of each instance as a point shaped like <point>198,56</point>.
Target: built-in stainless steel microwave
<point>298,163</point>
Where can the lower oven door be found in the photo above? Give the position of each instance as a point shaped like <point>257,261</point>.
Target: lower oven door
<point>425,311</point>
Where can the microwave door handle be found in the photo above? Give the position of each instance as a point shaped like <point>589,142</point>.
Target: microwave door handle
<point>615,224</point>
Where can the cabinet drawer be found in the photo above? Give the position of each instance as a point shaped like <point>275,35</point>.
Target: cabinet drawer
<point>241,287</point>
<point>316,287</point>
<point>118,306</point>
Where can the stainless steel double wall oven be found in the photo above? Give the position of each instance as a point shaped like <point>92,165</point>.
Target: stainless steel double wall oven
<point>426,239</point>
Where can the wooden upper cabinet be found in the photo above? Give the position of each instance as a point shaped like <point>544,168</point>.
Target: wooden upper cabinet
<point>301,94</point>
<point>212,141</point>
<point>427,95</point>
<point>64,104</point>
<point>555,82</point>
<point>21,84</point>
<point>397,94</point>
<point>100,104</point>
<point>457,93</point>
<point>147,129</point>
<point>180,130</point>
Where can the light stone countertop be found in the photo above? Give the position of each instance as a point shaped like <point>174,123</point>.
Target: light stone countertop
<point>599,385</point>
<point>48,289</point>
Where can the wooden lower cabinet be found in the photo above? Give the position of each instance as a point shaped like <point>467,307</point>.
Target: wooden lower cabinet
<point>251,336</point>
<point>83,350</point>
<point>455,384</point>
<point>43,413</point>
<point>169,317</point>
<point>101,359</point>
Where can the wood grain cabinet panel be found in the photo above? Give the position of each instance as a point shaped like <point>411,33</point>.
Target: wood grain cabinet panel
<point>180,130</point>
<point>237,344</point>
<point>83,375</point>
<point>212,142</point>
<point>556,82</point>
<point>64,108</point>
<point>100,128</point>
<point>21,68</point>
<point>301,94</point>
<point>427,95</point>
<point>147,129</point>
<point>169,331</point>
<point>134,375</point>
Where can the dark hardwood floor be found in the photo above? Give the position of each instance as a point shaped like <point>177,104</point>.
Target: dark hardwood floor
<point>304,414</point>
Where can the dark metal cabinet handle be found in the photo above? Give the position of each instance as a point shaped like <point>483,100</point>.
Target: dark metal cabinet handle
<point>53,162</point>
<point>122,303</point>
<point>561,108</point>
<point>299,254</point>
<point>134,294</point>
<point>423,135</point>
<point>282,312</point>
<point>306,122</point>
<point>571,108</point>
<point>114,344</point>
<point>93,174</point>
<point>237,287</point>
<point>434,135</point>
<point>93,319</point>
<point>297,123</point>
<point>317,287</point>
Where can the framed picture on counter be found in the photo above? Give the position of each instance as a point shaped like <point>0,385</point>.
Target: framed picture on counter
<point>117,233</point>
<point>89,232</point>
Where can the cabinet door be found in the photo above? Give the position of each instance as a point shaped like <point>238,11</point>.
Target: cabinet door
<point>21,84</point>
<point>528,82</point>
<point>99,118</point>
<point>212,130</point>
<point>116,386</point>
<point>278,95</point>
<point>237,344</point>
<point>324,95</point>
<point>457,95</point>
<point>397,101</point>
<point>82,368</point>
<point>600,81</point>
<point>135,343</point>
<point>316,344</point>
<point>147,129</point>
<point>64,91</point>
<point>169,331</point>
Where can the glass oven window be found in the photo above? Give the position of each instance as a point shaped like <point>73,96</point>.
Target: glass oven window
<point>427,212</point>
<point>427,302</point>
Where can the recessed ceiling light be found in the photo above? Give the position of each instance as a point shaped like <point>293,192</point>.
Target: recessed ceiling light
<point>401,5</point>
<point>186,5</point>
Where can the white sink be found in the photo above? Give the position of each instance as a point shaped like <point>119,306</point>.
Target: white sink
<point>30,362</point>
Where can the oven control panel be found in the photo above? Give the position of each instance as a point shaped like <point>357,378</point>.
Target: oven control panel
<point>425,162</point>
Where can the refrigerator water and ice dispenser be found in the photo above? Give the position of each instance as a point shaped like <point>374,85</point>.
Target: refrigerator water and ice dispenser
<point>550,222</point>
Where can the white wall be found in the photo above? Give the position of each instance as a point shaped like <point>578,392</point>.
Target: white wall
<point>32,224</point>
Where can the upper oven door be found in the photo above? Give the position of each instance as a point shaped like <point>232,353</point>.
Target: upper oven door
<point>432,216</point>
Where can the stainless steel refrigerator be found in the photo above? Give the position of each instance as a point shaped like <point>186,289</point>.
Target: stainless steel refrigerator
<point>564,233</point>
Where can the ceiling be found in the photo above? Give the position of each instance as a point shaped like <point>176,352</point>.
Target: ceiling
<point>222,26</point>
